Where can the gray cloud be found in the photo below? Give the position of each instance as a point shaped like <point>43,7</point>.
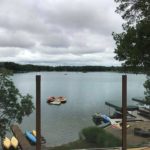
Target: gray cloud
<point>58,32</point>
<point>15,39</point>
<point>7,52</point>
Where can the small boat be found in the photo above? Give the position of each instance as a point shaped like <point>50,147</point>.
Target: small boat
<point>6,143</point>
<point>14,142</point>
<point>30,137</point>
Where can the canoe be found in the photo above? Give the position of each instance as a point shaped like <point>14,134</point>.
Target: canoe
<point>6,143</point>
<point>14,142</point>
<point>30,137</point>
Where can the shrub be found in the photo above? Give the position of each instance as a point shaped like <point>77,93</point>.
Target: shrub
<point>100,137</point>
<point>90,134</point>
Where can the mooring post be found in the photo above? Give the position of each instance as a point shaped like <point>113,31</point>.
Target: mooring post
<point>124,112</point>
<point>38,112</point>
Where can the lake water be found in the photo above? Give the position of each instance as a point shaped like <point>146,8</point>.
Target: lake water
<point>86,94</point>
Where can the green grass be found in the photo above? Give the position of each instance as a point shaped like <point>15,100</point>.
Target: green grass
<point>100,137</point>
<point>94,137</point>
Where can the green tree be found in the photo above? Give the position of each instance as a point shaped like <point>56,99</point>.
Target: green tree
<point>13,105</point>
<point>133,44</point>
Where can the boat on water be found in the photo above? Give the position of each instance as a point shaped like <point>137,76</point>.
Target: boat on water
<point>30,137</point>
<point>6,143</point>
<point>14,142</point>
<point>56,100</point>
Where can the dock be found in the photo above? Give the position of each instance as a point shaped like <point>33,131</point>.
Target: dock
<point>139,100</point>
<point>143,111</point>
<point>23,142</point>
<point>118,108</point>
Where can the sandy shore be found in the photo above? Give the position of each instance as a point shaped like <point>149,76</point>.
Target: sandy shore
<point>131,138</point>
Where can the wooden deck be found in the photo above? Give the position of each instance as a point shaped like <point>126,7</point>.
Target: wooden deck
<point>23,142</point>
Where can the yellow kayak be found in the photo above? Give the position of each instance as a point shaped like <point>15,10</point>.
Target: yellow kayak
<point>6,143</point>
<point>34,132</point>
<point>14,142</point>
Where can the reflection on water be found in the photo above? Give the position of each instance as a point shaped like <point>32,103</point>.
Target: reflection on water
<point>86,94</point>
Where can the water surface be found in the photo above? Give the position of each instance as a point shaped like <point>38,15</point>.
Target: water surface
<point>86,94</point>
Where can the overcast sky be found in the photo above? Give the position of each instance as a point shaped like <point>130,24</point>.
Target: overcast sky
<point>58,32</point>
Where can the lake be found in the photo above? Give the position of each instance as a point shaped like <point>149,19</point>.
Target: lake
<point>86,94</point>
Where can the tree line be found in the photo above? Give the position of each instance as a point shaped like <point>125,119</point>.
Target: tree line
<point>16,68</point>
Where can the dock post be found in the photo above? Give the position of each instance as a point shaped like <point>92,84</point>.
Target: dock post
<point>38,111</point>
<point>124,112</point>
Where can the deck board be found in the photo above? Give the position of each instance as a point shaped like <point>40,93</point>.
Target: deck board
<point>23,142</point>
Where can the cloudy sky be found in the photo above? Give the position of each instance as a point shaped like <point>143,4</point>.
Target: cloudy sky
<point>58,32</point>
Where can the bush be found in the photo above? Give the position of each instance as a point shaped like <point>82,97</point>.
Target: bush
<point>100,137</point>
<point>90,134</point>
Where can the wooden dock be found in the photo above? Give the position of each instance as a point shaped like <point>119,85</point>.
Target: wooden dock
<point>23,142</point>
<point>129,108</point>
<point>139,100</point>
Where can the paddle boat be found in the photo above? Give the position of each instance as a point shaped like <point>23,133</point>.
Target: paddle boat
<point>14,142</point>
<point>56,100</point>
<point>30,137</point>
<point>6,143</point>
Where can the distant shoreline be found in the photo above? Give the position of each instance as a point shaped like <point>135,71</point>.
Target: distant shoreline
<point>19,68</point>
